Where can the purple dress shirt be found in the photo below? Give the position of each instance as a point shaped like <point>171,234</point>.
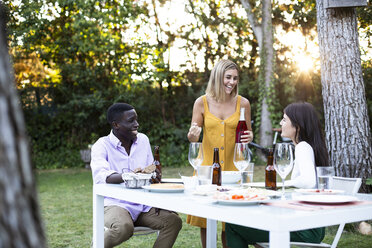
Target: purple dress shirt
<point>108,157</point>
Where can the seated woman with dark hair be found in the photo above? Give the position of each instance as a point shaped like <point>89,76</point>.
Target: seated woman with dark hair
<point>301,124</point>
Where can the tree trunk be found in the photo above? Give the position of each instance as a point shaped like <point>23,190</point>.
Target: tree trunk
<point>267,59</point>
<point>264,35</point>
<point>347,125</point>
<point>20,220</point>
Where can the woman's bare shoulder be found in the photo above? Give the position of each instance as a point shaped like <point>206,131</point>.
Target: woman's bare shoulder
<point>199,101</point>
<point>244,102</point>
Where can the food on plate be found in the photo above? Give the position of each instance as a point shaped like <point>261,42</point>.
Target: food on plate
<point>243,197</point>
<point>321,190</point>
<point>210,189</point>
<point>167,186</point>
<point>261,191</point>
<point>222,189</point>
<point>236,197</point>
<point>316,190</point>
<point>249,194</point>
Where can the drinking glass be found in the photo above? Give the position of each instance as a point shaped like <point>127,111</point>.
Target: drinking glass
<point>283,161</point>
<point>195,154</point>
<point>324,177</point>
<point>248,174</point>
<point>242,158</point>
<point>204,173</point>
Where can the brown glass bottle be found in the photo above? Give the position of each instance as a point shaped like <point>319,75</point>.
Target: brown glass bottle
<point>157,160</point>
<point>270,173</point>
<point>216,168</point>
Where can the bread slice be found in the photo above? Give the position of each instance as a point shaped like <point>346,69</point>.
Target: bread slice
<point>167,186</point>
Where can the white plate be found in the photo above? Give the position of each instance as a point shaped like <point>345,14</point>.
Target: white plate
<point>327,199</point>
<point>318,192</point>
<point>162,190</point>
<point>239,202</point>
<point>171,180</point>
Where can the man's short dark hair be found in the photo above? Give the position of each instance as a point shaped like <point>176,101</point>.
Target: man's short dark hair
<point>115,111</point>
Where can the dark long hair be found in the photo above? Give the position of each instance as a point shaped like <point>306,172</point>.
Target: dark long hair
<point>305,120</point>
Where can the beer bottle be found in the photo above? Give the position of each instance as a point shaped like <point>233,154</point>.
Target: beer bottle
<point>241,127</point>
<point>216,168</point>
<point>270,173</point>
<point>157,159</point>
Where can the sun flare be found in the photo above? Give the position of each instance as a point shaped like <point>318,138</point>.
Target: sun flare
<point>305,63</point>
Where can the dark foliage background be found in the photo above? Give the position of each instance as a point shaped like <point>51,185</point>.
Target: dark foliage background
<point>73,59</point>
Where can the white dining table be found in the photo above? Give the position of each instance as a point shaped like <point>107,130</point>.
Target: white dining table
<point>278,221</point>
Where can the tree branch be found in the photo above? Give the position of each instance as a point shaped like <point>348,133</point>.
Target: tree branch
<point>256,27</point>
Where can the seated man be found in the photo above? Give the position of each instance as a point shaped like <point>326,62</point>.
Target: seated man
<point>125,149</point>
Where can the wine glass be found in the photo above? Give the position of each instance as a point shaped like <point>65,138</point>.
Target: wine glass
<point>283,161</point>
<point>195,154</point>
<point>242,158</point>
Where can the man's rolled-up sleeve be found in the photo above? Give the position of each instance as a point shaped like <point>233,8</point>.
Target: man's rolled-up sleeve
<point>99,163</point>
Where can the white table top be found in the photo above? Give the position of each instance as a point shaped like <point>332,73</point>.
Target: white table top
<point>257,216</point>
<point>253,184</point>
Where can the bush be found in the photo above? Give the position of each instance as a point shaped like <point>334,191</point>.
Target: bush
<point>57,159</point>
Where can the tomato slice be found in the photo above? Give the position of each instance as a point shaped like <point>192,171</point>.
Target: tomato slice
<point>237,197</point>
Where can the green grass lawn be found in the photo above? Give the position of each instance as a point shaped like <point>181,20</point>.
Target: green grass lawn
<point>66,204</point>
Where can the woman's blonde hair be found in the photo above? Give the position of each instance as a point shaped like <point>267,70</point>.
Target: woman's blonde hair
<point>215,88</point>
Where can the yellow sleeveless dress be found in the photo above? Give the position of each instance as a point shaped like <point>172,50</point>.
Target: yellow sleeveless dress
<point>217,133</point>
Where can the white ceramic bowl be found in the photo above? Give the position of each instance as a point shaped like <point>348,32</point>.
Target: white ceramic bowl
<point>230,177</point>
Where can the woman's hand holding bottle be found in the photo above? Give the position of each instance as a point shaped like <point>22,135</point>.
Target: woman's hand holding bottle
<point>243,135</point>
<point>246,137</point>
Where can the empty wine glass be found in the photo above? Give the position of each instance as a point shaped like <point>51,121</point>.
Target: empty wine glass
<point>283,161</point>
<point>195,154</point>
<point>242,158</point>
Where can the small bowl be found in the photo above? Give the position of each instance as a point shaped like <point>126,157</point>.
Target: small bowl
<point>189,182</point>
<point>136,180</point>
<point>230,177</point>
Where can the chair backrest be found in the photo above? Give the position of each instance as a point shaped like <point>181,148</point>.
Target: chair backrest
<point>350,185</point>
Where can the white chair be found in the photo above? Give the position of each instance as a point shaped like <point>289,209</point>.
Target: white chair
<point>351,187</point>
<point>143,230</point>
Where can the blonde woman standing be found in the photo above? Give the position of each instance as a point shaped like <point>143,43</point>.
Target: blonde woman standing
<point>217,114</point>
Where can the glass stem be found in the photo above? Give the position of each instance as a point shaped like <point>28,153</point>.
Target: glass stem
<point>283,190</point>
<point>241,179</point>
